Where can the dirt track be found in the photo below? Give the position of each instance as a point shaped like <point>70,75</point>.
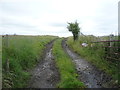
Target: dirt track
<point>45,75</point>
<point>89,74</point>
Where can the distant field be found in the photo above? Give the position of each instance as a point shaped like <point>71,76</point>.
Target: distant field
<point>22,53</point>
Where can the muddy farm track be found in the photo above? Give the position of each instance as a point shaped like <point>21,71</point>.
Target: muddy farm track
<point>88,74</point>
<point>45,75</point>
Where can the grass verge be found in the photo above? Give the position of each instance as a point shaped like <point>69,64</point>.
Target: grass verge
<point>66,68</point>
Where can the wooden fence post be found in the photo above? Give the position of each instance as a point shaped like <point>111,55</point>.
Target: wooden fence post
<point>111,38</point>
<point>7,59</point>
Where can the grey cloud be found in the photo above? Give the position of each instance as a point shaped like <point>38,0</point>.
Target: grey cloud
<point>9,7</point>
<point>58,24</point>
<point>13,23</point>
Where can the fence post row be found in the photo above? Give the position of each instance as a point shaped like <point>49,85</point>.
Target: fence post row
<point>112,48</point>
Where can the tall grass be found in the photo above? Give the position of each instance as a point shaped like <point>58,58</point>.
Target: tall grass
<point>66,68</point>
<point>94,54</point>
<point>23,53</point>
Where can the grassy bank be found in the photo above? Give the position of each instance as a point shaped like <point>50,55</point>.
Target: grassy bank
<point>66,68</point>
<point>19,54</point>
<point>94,54</point>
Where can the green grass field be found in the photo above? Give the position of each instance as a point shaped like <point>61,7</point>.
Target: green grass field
<point>23,53</point>
<point>93,54</point>
<point>66,68</point>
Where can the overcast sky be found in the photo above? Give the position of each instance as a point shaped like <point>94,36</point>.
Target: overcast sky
<point>50,17</point>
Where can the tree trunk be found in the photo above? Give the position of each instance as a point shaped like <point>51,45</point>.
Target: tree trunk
<point>74,37</point>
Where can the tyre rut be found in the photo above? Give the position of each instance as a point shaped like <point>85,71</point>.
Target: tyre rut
<point>45,75</point>
<point>88,74</point>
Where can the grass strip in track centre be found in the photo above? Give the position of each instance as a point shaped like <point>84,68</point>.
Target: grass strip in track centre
<point>68,75</point>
